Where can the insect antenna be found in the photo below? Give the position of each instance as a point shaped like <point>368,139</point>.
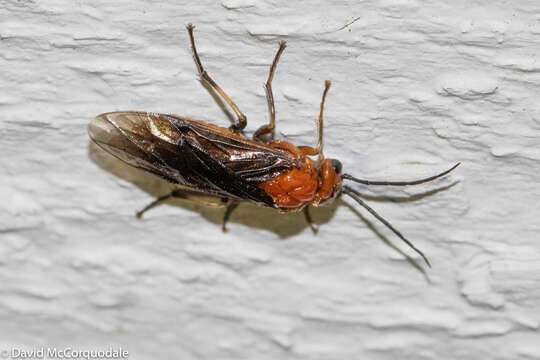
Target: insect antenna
<point>356,196</point>
<point>398,183</point>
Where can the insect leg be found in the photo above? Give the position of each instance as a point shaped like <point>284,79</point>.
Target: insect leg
<point>242,119</point>
<point>269,129</point>
<point>308,150</point>
<point>230,208</point>
<point>154,203</point>
<point>201,199</point>
<point>182,194</point>
<point>309,220</point>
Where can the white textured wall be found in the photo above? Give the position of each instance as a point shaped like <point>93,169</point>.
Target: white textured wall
<point>417,86</point>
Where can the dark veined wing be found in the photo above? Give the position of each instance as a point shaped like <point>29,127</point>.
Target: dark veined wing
<point>191,153</point>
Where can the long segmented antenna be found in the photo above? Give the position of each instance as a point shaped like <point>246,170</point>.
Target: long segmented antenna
<point>356,196</point>
<point>398,183</point>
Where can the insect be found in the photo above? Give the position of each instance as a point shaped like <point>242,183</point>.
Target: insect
<point>206,160</point>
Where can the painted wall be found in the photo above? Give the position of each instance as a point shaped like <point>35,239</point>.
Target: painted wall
<point>417,86</point>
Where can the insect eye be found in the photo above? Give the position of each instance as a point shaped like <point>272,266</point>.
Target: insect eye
<point>337,166</point>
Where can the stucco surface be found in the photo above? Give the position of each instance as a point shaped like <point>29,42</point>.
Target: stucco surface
<point>417,86</point>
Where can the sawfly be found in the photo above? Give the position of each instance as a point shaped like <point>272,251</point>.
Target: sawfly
<point>206,160</point>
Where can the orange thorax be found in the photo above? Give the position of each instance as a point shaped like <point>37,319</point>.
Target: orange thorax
<point>302,185</point>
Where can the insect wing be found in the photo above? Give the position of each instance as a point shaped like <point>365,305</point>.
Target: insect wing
<point>192,153</point>
<point>125,136</point>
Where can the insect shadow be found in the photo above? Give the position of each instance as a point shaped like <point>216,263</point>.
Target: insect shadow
<point>285,226</point>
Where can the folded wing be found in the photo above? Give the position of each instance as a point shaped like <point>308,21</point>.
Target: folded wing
<point>191,153</point>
